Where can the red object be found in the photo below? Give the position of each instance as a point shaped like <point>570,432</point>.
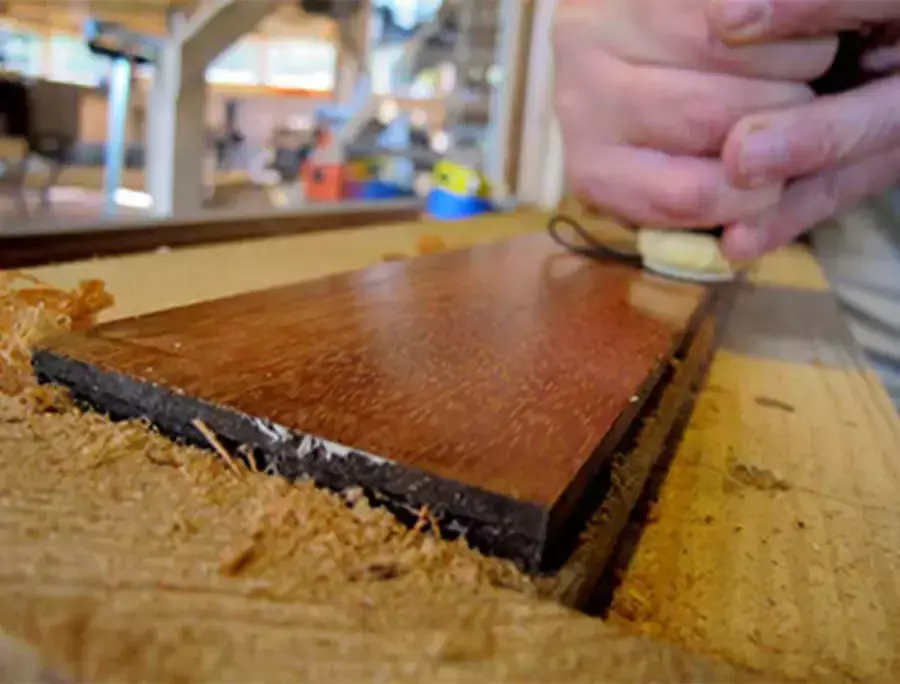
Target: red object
<point>325,182</point>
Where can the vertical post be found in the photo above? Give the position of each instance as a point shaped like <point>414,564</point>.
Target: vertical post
<point>176,19</point>
<point>119,93</point>
<point>503,92</point>
<point>353,52</point>
<point>517,97</point>
<point>553,183</point>
<point>541,153</point>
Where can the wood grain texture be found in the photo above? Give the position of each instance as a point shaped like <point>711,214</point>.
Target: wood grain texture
<point>776,540</point>
<point>582,581</point>
<point>489,384</point>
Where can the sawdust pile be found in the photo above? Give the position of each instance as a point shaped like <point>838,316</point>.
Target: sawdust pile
<point>128,558</point>
<point>289,539</point>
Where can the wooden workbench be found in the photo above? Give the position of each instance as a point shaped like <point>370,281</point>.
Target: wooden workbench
<point>775,544</point>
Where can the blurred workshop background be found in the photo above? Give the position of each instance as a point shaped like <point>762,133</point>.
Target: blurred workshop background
<point>114,109</point>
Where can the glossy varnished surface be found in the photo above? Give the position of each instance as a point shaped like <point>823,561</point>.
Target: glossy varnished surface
<point>66,238</point>
<point>501,367</point>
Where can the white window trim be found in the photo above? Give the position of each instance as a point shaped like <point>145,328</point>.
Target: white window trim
<point>542,167</point>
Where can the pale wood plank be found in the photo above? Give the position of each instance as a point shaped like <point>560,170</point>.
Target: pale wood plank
<point>776,540</point>
<point>150,282</point>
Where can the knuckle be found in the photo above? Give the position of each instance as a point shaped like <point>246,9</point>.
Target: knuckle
<point>814,143</point>
<point>704,122</point>
<point>680,117</point>
<point>690,198</point>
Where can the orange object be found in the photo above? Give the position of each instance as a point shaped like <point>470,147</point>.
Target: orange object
<point>325,182</point>
<point>431,244</point>
<point>324,141</point>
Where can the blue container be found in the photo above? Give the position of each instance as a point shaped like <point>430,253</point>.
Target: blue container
<point>442,204</point>
<point>380,190</point>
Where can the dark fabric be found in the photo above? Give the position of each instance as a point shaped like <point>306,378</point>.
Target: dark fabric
<point>15,109</point>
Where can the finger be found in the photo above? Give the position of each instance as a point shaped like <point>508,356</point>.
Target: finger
<point>655,189</point>
<point>883,60</point>
<point>672,110</point>
<point>809,202</point>
<point>776,146</point>
<point>741,21</point>
<point>676,33</point>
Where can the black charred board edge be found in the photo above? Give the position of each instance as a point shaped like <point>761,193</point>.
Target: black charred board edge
<point>490,522</point>
<point>535,538</point>
<point>636,470</point>
<point>602,477</point>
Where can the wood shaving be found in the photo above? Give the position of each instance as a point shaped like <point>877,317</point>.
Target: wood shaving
<point>214,442</point>
<point>394,256</point>
<point>30,311</point>
<point>752,475</point>
<point>430,244</point>
<point>771,402</point>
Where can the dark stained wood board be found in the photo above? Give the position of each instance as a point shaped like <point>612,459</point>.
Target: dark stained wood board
<point>490,384</point>
<point>132,236</point>
<point>638,466</point>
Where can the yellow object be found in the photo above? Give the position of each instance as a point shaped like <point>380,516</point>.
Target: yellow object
<point>694,256</point>
<point>363,169</point>
<point>460,180</point>
<point>431,244</point>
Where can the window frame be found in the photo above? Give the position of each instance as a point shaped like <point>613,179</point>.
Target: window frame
<point>326,71</point>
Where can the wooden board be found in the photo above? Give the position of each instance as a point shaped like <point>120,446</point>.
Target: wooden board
<point>490,385</point>
<point>100,237</point>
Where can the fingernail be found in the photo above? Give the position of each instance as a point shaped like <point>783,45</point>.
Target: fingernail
<point>743,18</point>
<point>763,153</point>
<point>743,242</point>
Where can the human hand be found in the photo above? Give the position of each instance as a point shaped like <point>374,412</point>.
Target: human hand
<point>834,151</point>
<point>646,97</point>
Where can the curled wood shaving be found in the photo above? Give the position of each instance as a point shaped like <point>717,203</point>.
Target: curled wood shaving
<point>430,244</point>
<point>30,311</point>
